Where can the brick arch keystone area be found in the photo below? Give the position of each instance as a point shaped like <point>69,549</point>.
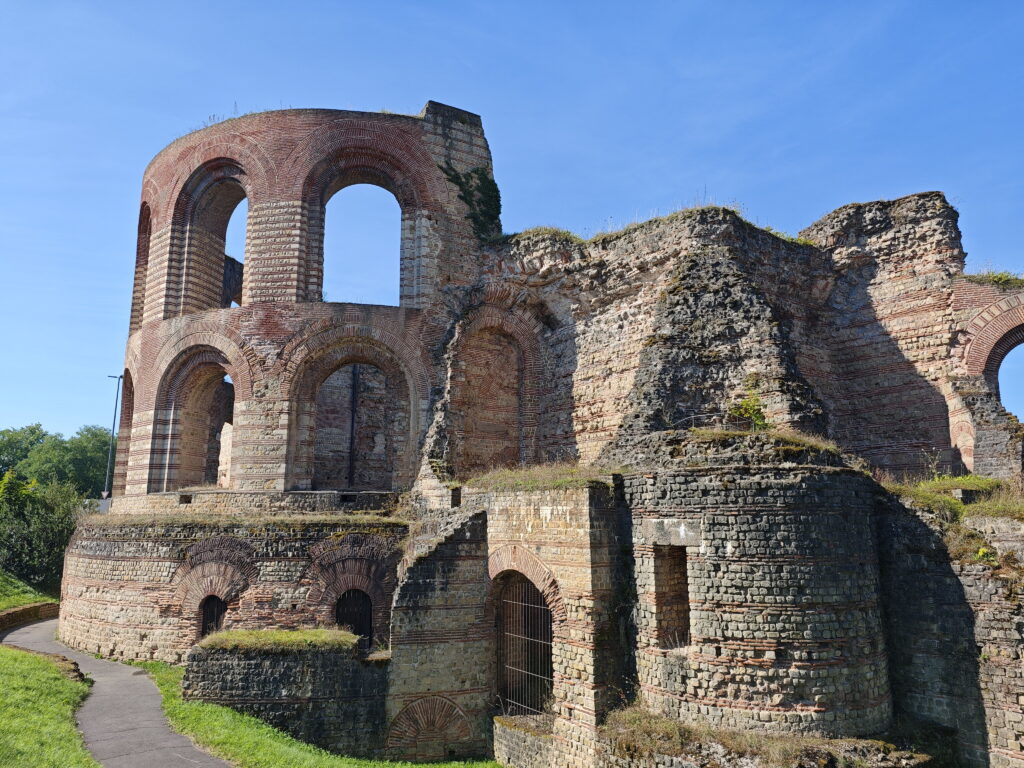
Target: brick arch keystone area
<point>514,557</point>
<point>994,331</point>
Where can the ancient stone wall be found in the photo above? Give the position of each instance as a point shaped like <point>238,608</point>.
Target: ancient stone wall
<point>132,590</point>
<point>801,651</point>
<point>955,635</point>
<point>334,699</point>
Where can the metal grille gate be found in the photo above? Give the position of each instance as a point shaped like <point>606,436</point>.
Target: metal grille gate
<point>524,647</point>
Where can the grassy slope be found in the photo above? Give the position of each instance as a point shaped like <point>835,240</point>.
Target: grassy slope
<point>14,592</point>
<point>248,742</point>
<point>37,706</point>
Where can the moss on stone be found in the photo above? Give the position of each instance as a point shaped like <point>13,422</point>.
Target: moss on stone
<point>478,190</point>
<point>542,477</point>
<point>280,640</point>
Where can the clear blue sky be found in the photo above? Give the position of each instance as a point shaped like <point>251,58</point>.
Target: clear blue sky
<point>597,114</point>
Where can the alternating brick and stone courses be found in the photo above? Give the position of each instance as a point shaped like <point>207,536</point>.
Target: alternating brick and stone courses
<point>289,463</point>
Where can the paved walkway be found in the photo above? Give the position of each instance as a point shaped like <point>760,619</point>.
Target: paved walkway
<point>121,719</point>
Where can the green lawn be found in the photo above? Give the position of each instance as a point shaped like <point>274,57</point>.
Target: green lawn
<point>14,592</point>
<point>37,713</point>
<point>250,743</point>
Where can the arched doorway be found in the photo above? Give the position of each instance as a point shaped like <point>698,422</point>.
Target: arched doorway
<point>354,610</point>
<point>525,635</point>
<point>211,612</point>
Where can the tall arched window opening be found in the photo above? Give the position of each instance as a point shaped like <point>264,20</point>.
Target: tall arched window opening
<point>211,615</point>
<point>362,246</point>
<point>361,422</point>
<point>205,277</point>
<point>124,434</point>
<point>354,610</point>
<point>1011,381</point>
<point>234,254</point>
<point>192,435</point>
<point>141,267</point>
<point>525,638</point>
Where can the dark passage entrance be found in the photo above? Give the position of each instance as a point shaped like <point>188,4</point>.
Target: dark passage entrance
<point>213,610</point>
<point>524,647</point>
<point>355,611</point>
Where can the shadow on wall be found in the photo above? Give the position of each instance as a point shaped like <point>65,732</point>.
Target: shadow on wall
<point>931,631</point>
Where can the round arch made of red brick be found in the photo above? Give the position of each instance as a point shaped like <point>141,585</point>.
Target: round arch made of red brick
<point>994,332</point>
<point>182,396</point>
<point>313,361</point>
<point>514,558</point>
<point>389,155</point>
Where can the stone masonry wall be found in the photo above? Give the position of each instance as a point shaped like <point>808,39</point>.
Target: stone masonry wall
<point>132,590</point>
<point>955,635</point>
<point>784,629</point>
<point>333,699</point>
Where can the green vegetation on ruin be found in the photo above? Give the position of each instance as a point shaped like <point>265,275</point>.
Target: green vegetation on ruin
<point>14,593</point>
<point>1007,281</point>
<point>636,731</point>
<point>786,437</point>
<point>543,477</point>
<point>480,193</point>
<point>965,544</point>
<point>561,234</point>
<point>280,640</point>
<point>37,712</point>
<point>247,742</point>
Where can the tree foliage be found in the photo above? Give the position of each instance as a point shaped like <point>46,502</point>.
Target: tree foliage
<point>36,523</point>
<point>35,454</point>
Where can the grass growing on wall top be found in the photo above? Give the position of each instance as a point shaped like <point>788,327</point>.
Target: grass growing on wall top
<point>247,742</point>
<point>542,477</point>
<point>1008,281</point>
<point>15,593</point>
<point>280,640</point>
<point>37,713</point>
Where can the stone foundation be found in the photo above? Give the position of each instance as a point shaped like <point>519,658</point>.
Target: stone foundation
<point>334,699</point>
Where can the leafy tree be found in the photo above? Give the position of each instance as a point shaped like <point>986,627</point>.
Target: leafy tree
<point>15,445</point>
<point>36,523</point>
<point>80,460</point>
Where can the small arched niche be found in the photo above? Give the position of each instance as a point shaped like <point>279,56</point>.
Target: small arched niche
<point>362,246</point>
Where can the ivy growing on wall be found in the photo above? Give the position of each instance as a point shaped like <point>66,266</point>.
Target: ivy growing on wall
<point>480,194</point>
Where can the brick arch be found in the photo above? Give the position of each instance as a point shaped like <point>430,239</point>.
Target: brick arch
<point>427,728</point>
<point>240,360</point>
<point>351,151</point>
<point>124,434</point>
<point>518,559</point>
<point>143,238</point>
<point>309,360</point>
<point>994,332</point>
<point>182,417</point>
<point>367,562</point>
<point>193,585</point>
<point>225,549</point>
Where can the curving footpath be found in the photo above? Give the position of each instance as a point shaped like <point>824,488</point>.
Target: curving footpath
<point>121,720</point>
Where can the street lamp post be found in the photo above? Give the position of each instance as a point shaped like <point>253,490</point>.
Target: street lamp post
<point>113,427</point>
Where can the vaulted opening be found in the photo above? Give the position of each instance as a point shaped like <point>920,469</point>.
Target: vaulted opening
<point>361,422</point>
<point>209,278</point>
<point>124,433</point>
<point>1011,380</point>
<point>525,641</point>
<point>193,435</point>
<point>362,246</point>
<point>211,615</point>
<point>141,267</point>
<point>354,611</point>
